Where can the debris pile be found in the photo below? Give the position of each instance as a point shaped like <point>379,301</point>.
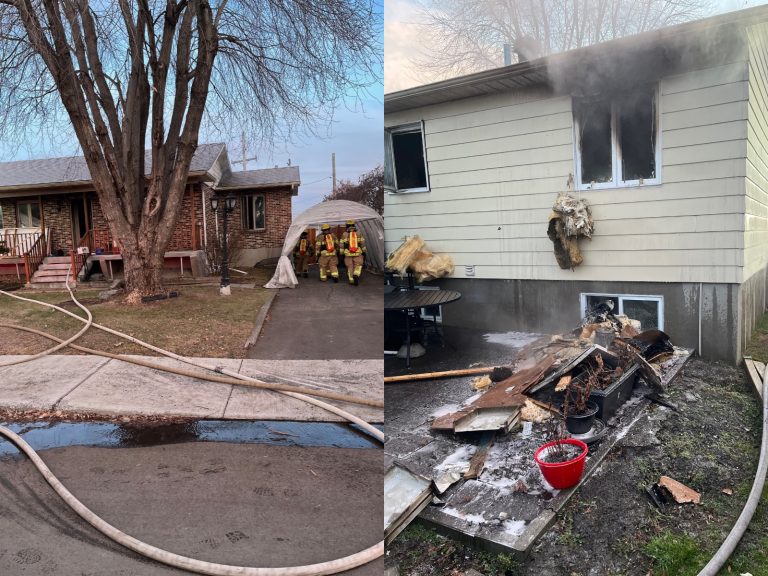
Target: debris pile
<point>570,220</point>
<point>597,364</point>
<point>414,256</point>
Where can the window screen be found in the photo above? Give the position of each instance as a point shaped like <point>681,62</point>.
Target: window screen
<point>646,311</point>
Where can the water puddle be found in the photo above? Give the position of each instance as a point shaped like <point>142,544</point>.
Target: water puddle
<point>47,435</point>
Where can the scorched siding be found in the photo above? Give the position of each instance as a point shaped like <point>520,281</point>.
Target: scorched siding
<point>496,163</point>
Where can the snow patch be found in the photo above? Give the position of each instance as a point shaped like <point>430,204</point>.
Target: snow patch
<point>443,410</point>
<point>514,527</point>
<point>472,518</point>
<point>461,457</point>
<point>511,339</point>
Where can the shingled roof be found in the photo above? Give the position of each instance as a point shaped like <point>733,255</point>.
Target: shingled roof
<point>264,178</point>
<point>72,169</point>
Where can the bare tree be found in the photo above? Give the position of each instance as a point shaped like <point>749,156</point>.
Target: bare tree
<point>369,190</point>
<point>130,72</point>
<point>464,36</point>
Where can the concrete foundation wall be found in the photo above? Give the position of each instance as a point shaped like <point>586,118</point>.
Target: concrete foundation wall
<point>252,256</point>
<point>554,306</point>
<point>752,305</point>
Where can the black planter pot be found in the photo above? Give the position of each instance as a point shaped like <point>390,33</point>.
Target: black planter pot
<point>582,423</point>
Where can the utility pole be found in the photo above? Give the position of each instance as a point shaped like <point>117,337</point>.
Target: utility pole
<point>244,161</point>
<point>333,163</point>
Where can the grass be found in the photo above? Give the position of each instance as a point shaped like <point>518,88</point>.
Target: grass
<point>421,551</point>
<point>675,555</point>
<point>758,345</point>
<point>199,322</point>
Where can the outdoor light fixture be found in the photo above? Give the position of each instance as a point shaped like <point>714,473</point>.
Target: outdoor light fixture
<point>228,205</point>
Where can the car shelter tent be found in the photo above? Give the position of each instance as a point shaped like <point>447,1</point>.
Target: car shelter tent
<point>369,223</point>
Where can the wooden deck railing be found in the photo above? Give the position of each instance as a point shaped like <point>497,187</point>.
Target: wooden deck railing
<point>19,241</point>
<point>34,257</point>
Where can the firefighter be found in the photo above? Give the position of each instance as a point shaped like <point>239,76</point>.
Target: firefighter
<point>327,248</point>
<point>352,246</point>
<point>301,254</point>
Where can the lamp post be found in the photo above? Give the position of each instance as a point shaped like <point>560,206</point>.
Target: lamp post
<point>228,205</point>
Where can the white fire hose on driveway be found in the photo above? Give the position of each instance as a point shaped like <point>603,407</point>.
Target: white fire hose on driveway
<point>183,562</point>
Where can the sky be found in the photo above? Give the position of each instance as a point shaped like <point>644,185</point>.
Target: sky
<point>402,40</point>
<point>355,135</point>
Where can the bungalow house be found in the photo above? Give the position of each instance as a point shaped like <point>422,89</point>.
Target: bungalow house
<point>49,209</point>
<point>664,133</point>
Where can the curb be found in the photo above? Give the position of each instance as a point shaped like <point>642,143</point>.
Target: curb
<point>260,320</point>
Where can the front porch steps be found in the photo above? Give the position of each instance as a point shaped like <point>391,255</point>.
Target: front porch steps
<point>52,272</point>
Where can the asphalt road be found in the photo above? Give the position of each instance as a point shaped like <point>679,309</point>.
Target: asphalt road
<point>324,320</point>
<point>249,505</point>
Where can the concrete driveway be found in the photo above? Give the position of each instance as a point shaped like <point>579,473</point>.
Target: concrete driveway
<point>324,320</point>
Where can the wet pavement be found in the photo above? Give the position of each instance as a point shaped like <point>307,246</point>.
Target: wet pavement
<point>47,435</point>
<point>241,504</point>
<point>509,505</point>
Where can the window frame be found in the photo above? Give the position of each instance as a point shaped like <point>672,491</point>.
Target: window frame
<point>29,212</point>
<point>389,155</point>
<point>621,297</point>
<point>616,181</point>
<point>249,199</point>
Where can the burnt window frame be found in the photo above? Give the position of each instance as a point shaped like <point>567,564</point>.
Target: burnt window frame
<point>619,304</point>
<point>390,169</point>
<point>616,159</point>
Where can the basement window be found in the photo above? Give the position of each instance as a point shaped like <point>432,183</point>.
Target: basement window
<point>617,140</point>
<point>405,159</point>
<point>254,215</point>
<point>649,310</point>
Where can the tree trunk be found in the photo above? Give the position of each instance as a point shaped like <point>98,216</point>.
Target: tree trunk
<point>143,265</point>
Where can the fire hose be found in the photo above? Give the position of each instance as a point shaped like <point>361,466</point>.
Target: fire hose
<point>734,536</point>
<point>191,564</point>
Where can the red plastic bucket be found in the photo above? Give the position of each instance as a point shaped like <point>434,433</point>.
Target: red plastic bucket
<point>562,475</point>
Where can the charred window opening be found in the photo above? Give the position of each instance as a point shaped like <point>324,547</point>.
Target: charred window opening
<point>405,161</point>
<point>649,310</point>
<point>617,139</point>
<point>594,121</point>
<point>637,136</point>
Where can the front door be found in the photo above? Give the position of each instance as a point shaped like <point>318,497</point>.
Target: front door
<point>82,220</point>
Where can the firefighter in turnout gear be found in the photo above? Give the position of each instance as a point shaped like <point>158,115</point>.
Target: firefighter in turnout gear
<point>327,249</point>
<point>301,255</point>
<point>352,246</point>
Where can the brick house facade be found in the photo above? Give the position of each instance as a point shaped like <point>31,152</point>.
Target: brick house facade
<point>68,207</point>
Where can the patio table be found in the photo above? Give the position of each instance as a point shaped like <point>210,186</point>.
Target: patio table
<point>407,300</point>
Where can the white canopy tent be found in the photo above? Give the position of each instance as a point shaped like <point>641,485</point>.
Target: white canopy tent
<point>369,223</point>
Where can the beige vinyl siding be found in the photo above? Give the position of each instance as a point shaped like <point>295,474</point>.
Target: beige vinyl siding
<point>497,162</point>
<point>756,210</point>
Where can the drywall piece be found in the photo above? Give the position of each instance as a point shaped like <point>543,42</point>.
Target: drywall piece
<point>405,495</point>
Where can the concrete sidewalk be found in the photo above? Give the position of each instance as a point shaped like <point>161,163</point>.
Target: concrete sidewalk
<point>96,385</point>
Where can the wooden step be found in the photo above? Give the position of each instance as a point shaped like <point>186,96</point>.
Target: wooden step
<point>57,260</point>
<point>47,266</point>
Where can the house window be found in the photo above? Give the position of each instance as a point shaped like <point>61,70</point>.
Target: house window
<point>617,140</point>
<point>405,159</point>
<point>649,310</point>
<point>253,212</point>
<point>29,214</point>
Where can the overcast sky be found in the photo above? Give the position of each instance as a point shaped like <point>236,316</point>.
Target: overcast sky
<point>401,41</point>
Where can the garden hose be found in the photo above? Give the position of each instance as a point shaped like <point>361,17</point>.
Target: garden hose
<point>235,378</point>
<point>63,343</point>
<point>191,564</point>
<point>736,533</point>
<point>184,562</point>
